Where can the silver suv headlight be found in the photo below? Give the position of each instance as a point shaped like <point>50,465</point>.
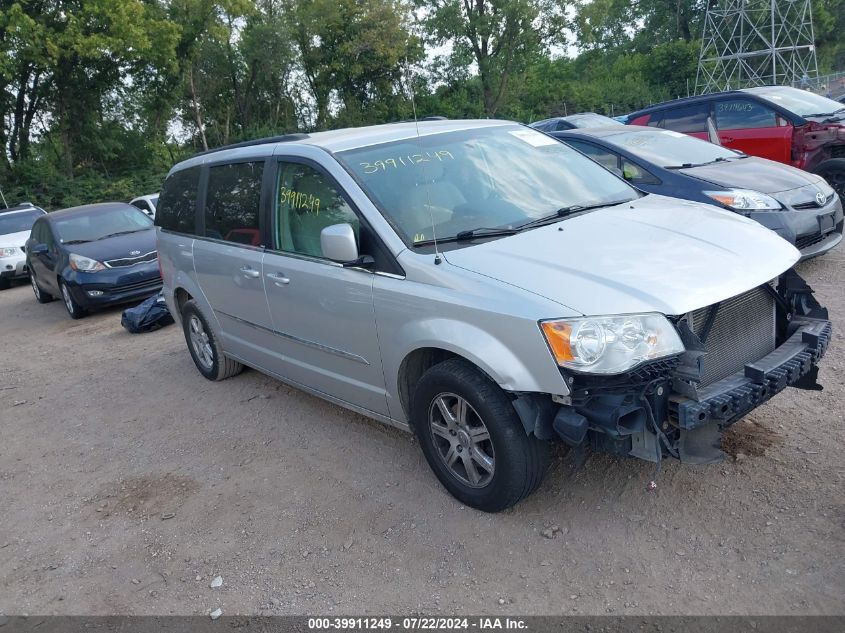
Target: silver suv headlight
<point>8,251</point>
<point>610,344</point>
<point>745,200</point>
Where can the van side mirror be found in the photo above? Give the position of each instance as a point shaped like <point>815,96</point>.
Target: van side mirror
<point>338,244</point>
<point>39,249</point>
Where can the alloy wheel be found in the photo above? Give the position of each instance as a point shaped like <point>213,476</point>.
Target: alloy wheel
<point>68,300</point>
<point>200,342</point>
<point>461,439</point>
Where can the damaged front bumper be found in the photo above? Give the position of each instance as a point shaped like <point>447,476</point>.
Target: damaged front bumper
<point>662,409</point>
<point>794,363</point>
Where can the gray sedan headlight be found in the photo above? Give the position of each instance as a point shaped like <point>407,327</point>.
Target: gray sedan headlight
<point>610,344</point>
<point>745,200</point>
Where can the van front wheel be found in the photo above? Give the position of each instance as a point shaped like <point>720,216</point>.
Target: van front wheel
<point>473,439</point>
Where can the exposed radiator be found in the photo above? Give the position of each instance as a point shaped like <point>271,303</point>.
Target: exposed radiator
<point>742,331</point>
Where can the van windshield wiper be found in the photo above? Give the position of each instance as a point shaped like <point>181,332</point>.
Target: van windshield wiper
<point>470,234</point>
<point>487,231</point>
<point>75,241</point>
<point>570,210</point>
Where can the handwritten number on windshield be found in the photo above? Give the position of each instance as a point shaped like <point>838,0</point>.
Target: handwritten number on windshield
<point>409,160</point>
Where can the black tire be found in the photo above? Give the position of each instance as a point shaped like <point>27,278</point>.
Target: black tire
<point>5,284</point>
<point>833,170</point>
<point>210,362</point>
<point>75,310</point>
<point>519,460</point>
<point>40,295</point>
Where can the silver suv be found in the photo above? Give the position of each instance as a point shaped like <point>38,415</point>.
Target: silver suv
<point>488,288</point>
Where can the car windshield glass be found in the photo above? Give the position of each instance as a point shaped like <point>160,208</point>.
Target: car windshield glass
<point>590,120</point>
<point>154,200</point>
<point>498,177</point>
<point>100,223</point>
<point>670,149</point>
<point>17,222</point>
<point>801,102</point>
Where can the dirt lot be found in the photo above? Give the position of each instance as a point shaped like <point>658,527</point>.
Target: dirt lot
<point>128,482</point>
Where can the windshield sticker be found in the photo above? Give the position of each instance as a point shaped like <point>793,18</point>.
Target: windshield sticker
<point>309,202</point>
<point>532,137</point>
<point>419,237</point>
<point>409,160</point>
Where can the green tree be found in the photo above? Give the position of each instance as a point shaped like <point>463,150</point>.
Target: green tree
<point>501,37</point>
<point>351,54</point>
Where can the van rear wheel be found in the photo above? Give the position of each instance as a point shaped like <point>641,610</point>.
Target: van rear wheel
<point>204,347</point>
<point>473,439</point>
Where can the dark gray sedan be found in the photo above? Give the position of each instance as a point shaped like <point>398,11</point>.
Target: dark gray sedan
<point>799,206</point>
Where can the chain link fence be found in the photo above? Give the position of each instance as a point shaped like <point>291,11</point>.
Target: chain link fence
<point>832,85</point>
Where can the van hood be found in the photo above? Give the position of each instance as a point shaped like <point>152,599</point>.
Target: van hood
<point>655,254</point>
<point>758,174</point>
<point>14,239</point>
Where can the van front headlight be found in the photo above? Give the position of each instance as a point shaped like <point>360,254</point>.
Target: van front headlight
<point>610,344</point>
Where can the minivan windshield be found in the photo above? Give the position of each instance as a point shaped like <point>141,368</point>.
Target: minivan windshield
<point>666,148</point>
<point>18,221</point>
<point>496,177</point>
<point>101,223</point>
<point>801,102</point>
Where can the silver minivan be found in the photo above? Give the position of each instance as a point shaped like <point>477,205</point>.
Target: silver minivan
<point>488,288</point>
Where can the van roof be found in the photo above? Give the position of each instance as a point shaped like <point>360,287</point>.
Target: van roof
<point>343,139</point>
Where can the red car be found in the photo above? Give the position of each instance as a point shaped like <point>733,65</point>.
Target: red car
<point>785,124</point>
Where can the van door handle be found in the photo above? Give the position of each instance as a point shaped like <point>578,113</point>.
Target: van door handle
<point>279,279</point>
<point>250,272</point>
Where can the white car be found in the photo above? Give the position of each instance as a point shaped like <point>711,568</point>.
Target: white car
<point>147,204</point>
<point>15,226</point>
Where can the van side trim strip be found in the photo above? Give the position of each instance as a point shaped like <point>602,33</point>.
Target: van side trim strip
<point>301,341</point>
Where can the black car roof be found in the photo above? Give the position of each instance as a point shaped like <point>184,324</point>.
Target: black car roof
<point>606,130</point>
<point>90,209</point>
<point>683,101</point>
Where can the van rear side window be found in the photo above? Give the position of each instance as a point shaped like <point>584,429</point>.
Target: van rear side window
<point>177,203</point>
<point>232,203</point>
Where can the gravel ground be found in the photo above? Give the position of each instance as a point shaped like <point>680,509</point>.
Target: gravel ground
<point>128,483</point>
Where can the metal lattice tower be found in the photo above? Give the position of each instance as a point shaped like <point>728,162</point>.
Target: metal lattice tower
<point>754,43</point>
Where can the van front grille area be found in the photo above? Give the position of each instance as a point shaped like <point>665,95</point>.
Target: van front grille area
<point>741,330</point>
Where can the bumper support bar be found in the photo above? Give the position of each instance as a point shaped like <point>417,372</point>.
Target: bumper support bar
<point>730,398</point>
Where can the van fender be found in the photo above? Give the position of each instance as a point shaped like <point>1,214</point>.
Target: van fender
<point>494,356</point>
